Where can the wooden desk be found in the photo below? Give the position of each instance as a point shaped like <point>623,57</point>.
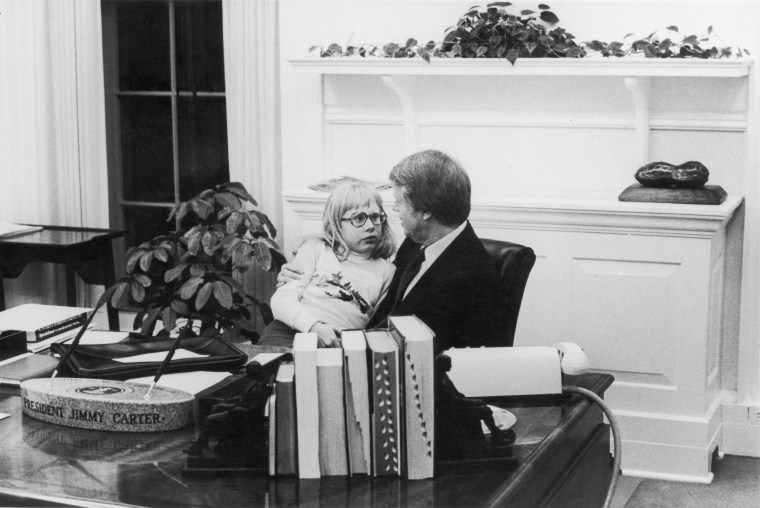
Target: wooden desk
<point>562,447</point>
<point>84,251</point>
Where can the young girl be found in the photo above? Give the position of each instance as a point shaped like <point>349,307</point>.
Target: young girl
<point>345,273</point>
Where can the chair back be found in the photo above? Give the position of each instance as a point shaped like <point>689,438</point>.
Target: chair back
<point>514,263</point>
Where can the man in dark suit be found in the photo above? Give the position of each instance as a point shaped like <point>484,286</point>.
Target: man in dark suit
<point>443,275</point>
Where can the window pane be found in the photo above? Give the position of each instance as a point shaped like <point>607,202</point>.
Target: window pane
<point>203,158</point>
<point>144,46</point>
<point>146,141</point>
<point>200,53</point>
<point>143,224</point>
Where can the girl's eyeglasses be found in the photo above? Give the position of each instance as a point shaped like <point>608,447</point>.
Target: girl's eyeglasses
<point>359,219</point>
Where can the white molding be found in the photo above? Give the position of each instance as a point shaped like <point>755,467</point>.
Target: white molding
<point>726,68</point>
<point>709,122</point>
<point>569,215</point>
<point>640,473</point>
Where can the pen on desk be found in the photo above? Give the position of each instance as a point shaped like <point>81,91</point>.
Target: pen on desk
<point>168,358</point>
<point>164,364</point>
<point>74,343</point>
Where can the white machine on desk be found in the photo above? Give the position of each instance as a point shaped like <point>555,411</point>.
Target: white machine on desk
<point>513,371</point>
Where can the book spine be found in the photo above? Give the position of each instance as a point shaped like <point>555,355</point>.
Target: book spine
<point>385,417</point>
<point>333,457</point>
<point>419,408</point>
<point>64,325</point>
<point>307,404</point>
<point>286,431</point>
<point>357,411</point>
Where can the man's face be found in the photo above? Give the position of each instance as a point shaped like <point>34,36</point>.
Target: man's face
<point>413,221</point>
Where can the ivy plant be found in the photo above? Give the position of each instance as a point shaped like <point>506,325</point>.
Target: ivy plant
<point>494,31</point>
<point>190,272</point>
<point>671,44</point>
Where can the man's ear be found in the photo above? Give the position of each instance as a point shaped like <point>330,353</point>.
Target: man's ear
<point>427,215</point>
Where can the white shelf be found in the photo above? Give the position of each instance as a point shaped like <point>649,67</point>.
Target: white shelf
<point>593,66</point>
<point>634,71</point>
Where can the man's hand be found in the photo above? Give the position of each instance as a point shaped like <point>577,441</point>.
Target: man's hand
<point>327,336</point>
<point>288,273</point>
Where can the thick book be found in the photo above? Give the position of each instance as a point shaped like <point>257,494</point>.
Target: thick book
<point>384,390</point>
<point>42,322</point>
<point>333,456</point>
<point>286,449</point>
<point>27,366</point>
<point>307,404</point>
<point>415,340</point>
<point>356,385</point>
<point>43,345</point>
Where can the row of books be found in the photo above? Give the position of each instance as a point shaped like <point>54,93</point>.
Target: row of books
<point>365,408</point>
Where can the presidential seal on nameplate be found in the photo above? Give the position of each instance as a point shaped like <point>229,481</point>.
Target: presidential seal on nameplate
<point>103,404</point>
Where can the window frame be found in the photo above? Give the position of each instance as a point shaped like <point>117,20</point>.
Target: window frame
<point>113,95</point>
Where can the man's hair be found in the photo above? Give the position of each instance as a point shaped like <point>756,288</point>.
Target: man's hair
<point>436,183</point>
<point>351,196</point>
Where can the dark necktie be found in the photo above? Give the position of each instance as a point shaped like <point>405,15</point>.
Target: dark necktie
<point>410,272</point>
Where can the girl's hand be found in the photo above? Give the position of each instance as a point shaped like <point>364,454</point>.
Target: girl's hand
<point>288,273</point>
<point>327,336</point>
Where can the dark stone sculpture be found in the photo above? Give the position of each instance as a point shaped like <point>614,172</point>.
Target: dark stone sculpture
<point>689,175</point>
<point>238,427</point>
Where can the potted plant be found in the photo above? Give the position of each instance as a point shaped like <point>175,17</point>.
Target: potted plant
<point>190,273</point>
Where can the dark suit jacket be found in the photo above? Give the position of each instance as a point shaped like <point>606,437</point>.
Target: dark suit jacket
<point>458,297</point>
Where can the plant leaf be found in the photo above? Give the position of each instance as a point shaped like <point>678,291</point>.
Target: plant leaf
<point>512,55</point>
<point>118,293</point>
<point>189,288</point>
<point>161,254</point>
<point>201,207</point>
<point>149,320</point>
<point>262,255</point>
<point>174,273</point>
<point>549,17</point>
<point>137,292</point>
<point>143,279</point>
<point>132,259</point>
<point>180,307</point>
<point>145,261</point>
<point>169,317</point>
<point>204,293</point>
<point>223,294</point>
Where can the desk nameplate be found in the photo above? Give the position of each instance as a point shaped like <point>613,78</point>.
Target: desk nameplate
<point>106,405</point>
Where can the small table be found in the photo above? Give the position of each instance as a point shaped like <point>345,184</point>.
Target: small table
<point>87,252</point>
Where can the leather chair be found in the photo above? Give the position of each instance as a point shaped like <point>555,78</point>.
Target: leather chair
<point>514,263</point>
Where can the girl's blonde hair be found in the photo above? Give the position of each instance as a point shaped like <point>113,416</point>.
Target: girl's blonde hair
<point>351,196</point>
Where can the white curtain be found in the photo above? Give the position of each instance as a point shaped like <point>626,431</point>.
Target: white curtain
<point>52,124</point>
<point>251,63</point>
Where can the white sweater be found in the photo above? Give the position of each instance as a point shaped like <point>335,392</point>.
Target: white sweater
<point>343,294</point>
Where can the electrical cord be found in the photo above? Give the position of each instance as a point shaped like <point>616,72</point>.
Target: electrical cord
<point>615,435</point>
